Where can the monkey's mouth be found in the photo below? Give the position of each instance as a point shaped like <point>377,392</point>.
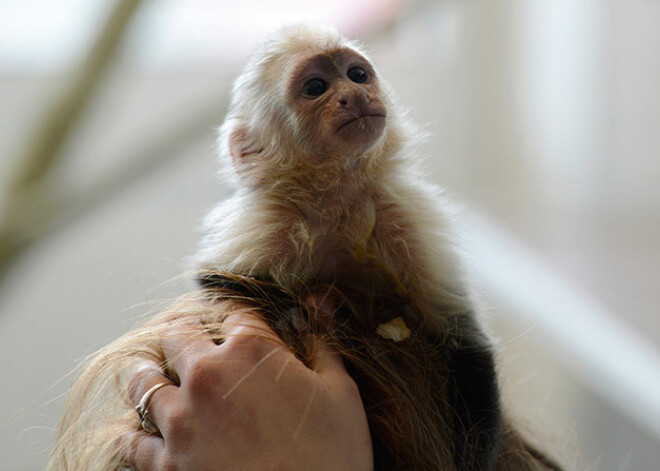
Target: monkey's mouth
<point>360,120</point>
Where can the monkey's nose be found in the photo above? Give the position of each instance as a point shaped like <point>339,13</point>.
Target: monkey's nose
<point>351,98</point>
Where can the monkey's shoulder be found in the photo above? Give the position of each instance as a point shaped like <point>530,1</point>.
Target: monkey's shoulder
<point>396,235</point>
<point>242,234</point>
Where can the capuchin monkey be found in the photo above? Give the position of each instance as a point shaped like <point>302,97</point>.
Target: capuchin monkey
<point>328,199</point>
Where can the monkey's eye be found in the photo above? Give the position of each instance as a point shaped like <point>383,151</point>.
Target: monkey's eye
<point>357,75</point>
<point>315,87</point>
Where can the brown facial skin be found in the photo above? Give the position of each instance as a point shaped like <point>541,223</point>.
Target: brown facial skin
<point>337,98</point>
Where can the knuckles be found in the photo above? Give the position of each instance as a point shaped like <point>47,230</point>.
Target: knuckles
<point>210,375</point>
<point>249,347</point>
<point>204,374</point>
<point>138,382</point>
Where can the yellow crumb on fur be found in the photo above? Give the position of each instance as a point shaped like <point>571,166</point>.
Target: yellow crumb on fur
<point>396,330</point>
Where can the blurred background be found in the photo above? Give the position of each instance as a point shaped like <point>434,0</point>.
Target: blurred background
<point>544,126</point>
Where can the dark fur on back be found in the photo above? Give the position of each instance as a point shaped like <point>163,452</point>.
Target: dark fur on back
<point>419,394</point>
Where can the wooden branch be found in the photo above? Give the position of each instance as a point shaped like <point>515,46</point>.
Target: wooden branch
<point>44,216</point>
<point>58,124</point>
<point>31,198</point>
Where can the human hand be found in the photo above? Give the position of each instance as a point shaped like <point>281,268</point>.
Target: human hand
<point>249,404</point>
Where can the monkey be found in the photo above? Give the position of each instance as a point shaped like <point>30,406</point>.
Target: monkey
<point>328,200</point>
<point>326,195</point>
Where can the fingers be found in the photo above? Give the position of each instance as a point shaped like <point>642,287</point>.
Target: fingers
<point>329,366</point>
<point>184,348</point>
<point>161,401</point>
<point>245,325</point>
<point>328,363</point>
<point>141,451</point>
<point>179,348</point>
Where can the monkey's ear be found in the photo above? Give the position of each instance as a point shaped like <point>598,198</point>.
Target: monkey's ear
<point>245,154</point>
<point>238,143</point>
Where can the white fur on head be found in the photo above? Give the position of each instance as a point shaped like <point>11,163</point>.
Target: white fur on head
<point>259,123</point>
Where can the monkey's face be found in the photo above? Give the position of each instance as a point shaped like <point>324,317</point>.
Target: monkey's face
<point>337,101</point>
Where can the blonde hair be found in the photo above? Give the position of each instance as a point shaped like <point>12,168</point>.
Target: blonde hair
<point>98,410</point>
<point>408,419</point>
